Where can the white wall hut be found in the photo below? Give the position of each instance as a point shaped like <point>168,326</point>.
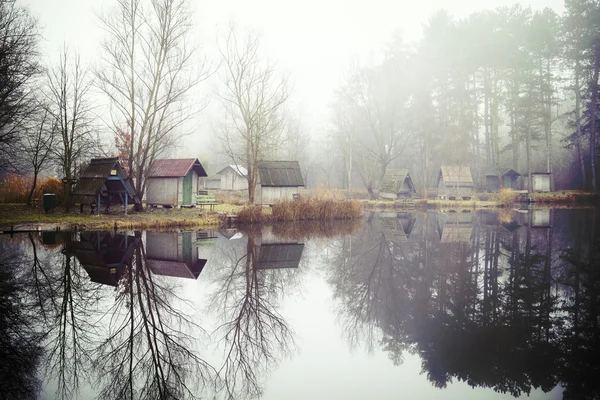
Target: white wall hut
<point>540,181</point>
<point>234,177</point>
<point>173,182</point>
<point>277,181</point>
<point>455,181</point>
<point>396,183</point>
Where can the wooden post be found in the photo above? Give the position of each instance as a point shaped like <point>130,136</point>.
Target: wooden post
<point>126,201</point>
<point>98,205</point>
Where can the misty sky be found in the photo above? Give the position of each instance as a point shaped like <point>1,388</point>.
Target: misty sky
<point>312,40</point>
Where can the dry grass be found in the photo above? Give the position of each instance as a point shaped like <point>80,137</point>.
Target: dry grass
<point>506,198</point>
<point>305,209</point>
<point>565,197</point>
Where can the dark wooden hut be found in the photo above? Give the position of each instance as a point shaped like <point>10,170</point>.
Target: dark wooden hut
<point>103,255</point>
<point>104,180</point>
<point>501,178</point>
<point>277,181</point>
<point>397,183</point>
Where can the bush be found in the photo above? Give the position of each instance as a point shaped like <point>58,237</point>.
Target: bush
<point>506,197</point>
<point>15,188</point>
<point>251,214</point>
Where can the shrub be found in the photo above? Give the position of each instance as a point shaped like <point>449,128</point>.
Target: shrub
<point>506,197</point>
<point>251,214</point>
<point>15,188</point>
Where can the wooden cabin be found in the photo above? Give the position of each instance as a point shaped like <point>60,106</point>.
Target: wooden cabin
<point>210,182</point>
<point>173,182</point>
<point>540,181</point>
<point>397,183</point>
<point>455,227</point>
<point>103,255</point>
<point>279,255</point>
<point>104,181</point>
<point>234,177</point>
<point>396,227</point>
<point>502,178</point>
<point>277,181</point>
<point>455,182</point>
<point>174,254</point>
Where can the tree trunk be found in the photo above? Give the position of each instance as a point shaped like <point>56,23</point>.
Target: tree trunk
<point>578,121</point>
<point>594,104</point>
<point>33,185</point>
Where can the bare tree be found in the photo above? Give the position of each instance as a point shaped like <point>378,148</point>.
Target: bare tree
<point>69,105</point>
<point>36,145</point>
<point>148,71</point>
<point>19,66</point>
<point>253,96</point>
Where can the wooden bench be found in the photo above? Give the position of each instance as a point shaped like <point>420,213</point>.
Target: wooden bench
<point>206,200</point>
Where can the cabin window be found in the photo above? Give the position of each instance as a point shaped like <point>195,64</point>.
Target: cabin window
<point>113,172</point>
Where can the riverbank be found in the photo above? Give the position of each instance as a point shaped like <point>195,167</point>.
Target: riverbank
<point>21,217</point>
<point>566,198</point>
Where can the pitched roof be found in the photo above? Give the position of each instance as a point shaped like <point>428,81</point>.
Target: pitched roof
<point>394,179</point>
<point>176,269</point>
<point>502,172</point>
<point>236,168</point>
<point>452,174</point>
<point>279,255</point>
<point>280,173</point>
<point>175,168</point>
<point>95,175</point>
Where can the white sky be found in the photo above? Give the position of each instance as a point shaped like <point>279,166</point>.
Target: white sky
<point>312,40</point>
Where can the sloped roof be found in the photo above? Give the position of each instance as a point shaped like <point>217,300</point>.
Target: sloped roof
<point>95,175</point>
<point>236,168</point>
<point>393,180</point>
<point>280,173</point>
<point>176,269</point>
<point>279,255</point>
<point>452,175</point>
<point>175,168</point>
<point>502,171</point>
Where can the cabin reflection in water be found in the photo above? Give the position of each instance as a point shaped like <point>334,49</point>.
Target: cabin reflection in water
<point>175,254</point>
<point>455,227</point>
<point>397,227</point>
<point>104,255</point>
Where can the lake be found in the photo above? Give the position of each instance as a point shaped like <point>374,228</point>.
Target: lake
<point>482,305</point>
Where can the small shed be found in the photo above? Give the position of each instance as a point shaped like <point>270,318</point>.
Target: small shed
<point>103,255</point>
<point>455,227</point>
<point>210,182</point>
<point>501,178</point>
<point>540,181</point>
<point>173,182</point>
<point>104,180</point>
<point>397,183</point>
<point>234,177</point>
<point>277,181</point>
<point>455,182</point>
<point>279,255</point>
<point>174,254</point>
<point>397,227</point>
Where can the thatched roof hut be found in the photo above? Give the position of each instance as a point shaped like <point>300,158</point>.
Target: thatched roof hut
<point>396,183</point>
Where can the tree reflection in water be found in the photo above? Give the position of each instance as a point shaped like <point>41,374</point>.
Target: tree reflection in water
<point>247,300</point>
<point>479,300</point>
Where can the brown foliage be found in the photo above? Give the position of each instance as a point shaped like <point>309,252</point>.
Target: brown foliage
<point>15,188</point>
<point>320,208</point>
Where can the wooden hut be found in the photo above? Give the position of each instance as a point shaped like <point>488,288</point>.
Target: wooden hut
<point>397,227</point>
<point>540,218</point>
<point>104,180</point>
<point>455,227</point>
<point>279,255</point>
<point>234,177</point>
<point>174,254</point>
<point>210,182</point>
<point>397,183</point>
<point>103,255</point>
<point>455,182</point>
<point>501,178</point>
<point>277,181</point>
<point>173,182</point>
<point>540,181</point>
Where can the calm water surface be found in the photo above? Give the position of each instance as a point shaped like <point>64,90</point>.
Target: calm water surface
<point>399,305</point>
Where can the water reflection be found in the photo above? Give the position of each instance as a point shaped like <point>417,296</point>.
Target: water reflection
<point>495,301</point>
<point>507,301</point>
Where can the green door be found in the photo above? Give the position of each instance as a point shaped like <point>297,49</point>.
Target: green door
<point>187,188</point>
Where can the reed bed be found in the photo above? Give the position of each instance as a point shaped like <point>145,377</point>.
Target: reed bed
<point>306,209</point>
<point>506,198</point>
